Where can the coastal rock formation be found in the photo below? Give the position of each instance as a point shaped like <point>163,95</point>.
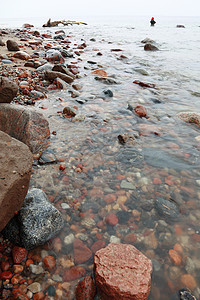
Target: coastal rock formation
<point>26,125</point>
<point>122,272</point>
<point>15,172</point>
<point>37,221</point>
<point>8,90</point>
<point>190,117</point>
<point>65,23</point>
<point>12,45</point>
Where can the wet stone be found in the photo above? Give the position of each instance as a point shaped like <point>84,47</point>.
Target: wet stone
<point>131,157</point>
<point>161,159</point>
<point>167,209</point>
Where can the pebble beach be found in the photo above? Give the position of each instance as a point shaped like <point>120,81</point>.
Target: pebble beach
<point>121,164</point>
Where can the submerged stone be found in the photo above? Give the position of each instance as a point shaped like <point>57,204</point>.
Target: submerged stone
<point>166,208</point>
<point>161,159</point>
<point>131,157</point>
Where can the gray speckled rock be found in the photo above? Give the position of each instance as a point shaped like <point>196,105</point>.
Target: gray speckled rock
<point>36,222</point>
<point>40,220</point>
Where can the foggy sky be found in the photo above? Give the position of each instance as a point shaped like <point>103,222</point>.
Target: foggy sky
<point>50,8</point>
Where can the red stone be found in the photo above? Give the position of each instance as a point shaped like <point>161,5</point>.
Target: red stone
<point>98,245</point>
<point>81,252</point>
<point>140,111</point>
<point>110,198</point>
<point>74,273</point>
<point>6,275</point>
<point>62,167</point>
<point>122,272</point>
<point>49,262</point>
<point>19,254</point>
<point>112,219</point>
<point>5,265</point>
<point>18,295</point>
<point>86,289</point>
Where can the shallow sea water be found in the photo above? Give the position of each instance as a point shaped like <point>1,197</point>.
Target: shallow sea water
<point>160,162</point>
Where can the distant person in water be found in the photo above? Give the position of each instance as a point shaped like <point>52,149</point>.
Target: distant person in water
<point>153,22</point>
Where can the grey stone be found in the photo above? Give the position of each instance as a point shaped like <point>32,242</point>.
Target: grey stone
<point>39,220</point>
<point>166,208</point>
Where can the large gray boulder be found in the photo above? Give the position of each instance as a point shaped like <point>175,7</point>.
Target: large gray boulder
<point>15,171</point>
<point>37,222</point>
<point>26,125</point>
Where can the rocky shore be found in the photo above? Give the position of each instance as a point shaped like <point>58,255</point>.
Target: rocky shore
<point>90,209</point>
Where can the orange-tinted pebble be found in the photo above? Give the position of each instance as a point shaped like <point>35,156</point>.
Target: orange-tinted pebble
<point>157,181</point>
<point>175,257</point>
<point>18,268</point>
<point>29,262</point>
<point>188,281</point>
<point>178,248</point>
<point>49,262</point>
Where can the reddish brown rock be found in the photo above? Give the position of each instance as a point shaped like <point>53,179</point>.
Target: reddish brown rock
<point>100,72</point>
<point>111,219</point>
<point>19,254</point>
<point>86,289</point>
<point>81,252</point>
<point>49,262</point>
<point>122,272</point>
<point>144,84</point>
<point>18,295</point>
<point>8,90</point>
<point>74,273</point>
<point>98,245</point>
<point>25,125</point>
<point>12,45</point>
<point>6,275</point>
<point>22,55</point>
<point>140,111</point>
<point>150,47</point>
<point>15,171</point>
<point>51,75</point>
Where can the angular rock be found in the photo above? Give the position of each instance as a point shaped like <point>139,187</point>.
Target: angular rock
<point>8,90</point>
<point>122,272</point>
<point>54,56</point>
<point>86,289</point>
<point>26,125</point>
<point>150,47</point>
<point>63,69</point>
<point>51,75</point>
<point>15,171</point>
<point>19,254</point>
<point>12,45</point>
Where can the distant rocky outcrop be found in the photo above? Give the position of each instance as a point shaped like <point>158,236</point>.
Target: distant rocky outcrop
<point>63,22</point>
<point>26,125</point>
<point>122,272</point>
<point>15,171</point>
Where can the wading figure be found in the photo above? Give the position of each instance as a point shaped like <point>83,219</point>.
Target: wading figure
<point>152,21</point>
